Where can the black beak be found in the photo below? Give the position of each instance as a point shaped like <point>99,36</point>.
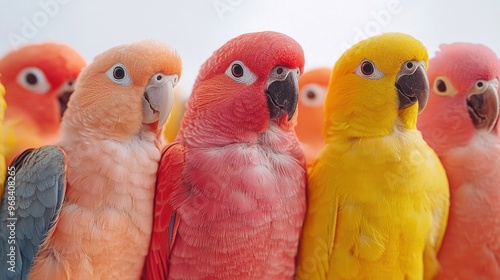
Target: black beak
<point>63,101</point>
<point>65,92</point>
<point>282,92</point>
<point>483,106</point>
<point>412,85</point>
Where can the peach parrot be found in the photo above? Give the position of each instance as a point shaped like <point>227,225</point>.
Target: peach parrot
<point>84,207</point>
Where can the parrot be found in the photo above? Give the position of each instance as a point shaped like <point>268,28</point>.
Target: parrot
<point>83,207</point>
<point>3,168</point>
<point>39,79</point>
<point>377,194</point>
<point>461,124</point>
<point>309,129</point>
<point>174,120</point>
<point>230,198</point>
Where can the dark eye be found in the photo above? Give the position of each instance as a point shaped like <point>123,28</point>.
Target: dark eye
<point>31,79</point>
<point>237,70</point>
<point>34,80</point>
<point>480,84</point>
<point>311,95</point>
<point>119,73</point>
<point>441,85</point>
<point>240,73</point>
<point>367,68</point>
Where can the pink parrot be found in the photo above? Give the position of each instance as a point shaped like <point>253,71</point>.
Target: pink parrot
<point>83,208</point>
<point>230,200</point>
<point>460,123</point>
<point>39,79</point>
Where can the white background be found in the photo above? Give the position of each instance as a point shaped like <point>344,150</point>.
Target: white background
<point>198,27</point>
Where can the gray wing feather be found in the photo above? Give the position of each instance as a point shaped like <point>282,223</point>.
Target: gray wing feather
<point>37,184</point>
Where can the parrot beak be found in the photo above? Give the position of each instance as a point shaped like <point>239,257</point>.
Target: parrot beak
<point>412,85</point>
<point>282,91</point>
<point>158,98</point>
<point>64,93</point>
<point>483,104</point>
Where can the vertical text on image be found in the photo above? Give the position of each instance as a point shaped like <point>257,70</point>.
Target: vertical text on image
<point>11,219</point>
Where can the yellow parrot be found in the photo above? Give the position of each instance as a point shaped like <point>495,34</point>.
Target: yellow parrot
<point>378,195</point>
<point>173,123</point>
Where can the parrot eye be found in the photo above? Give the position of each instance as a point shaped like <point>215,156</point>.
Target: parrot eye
<point>312,95</point>
<point>480,86</point>
<point>440,85</point>
<point>367,69</point>
<point>443,87</point>
<point>237,70</point>
<point>119,75</point>
<point>240,73</point>
<point>33,79</point>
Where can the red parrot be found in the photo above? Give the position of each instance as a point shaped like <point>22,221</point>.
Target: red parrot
<point>230,198</point>
<point>38,78</point>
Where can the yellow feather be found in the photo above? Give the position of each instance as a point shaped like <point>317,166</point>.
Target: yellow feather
<point>173,124</point>
<point>377,194</point>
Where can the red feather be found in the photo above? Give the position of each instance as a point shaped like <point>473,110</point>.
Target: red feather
<point>169,178</point>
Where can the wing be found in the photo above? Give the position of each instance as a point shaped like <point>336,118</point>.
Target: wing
<point>317,240</point>
<point>34,191</point>
<point>440,201</point>
<point>166,221</point>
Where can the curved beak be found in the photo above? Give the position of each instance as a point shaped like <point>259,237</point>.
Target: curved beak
<point>158,98</point>
<point>64,93</point>
<point>412,85</point>
<point>282,92</point>
<point>483,106</point>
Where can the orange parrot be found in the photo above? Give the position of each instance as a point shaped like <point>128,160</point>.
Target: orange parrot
<point>38,78</point>
<point>309,129</point>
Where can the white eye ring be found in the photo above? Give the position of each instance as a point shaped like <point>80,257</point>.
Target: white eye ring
<point>240,73</point>
<point>480,86</point>
<point>313,95</point>
<point>119,75</point>
<point>33,79</point>
<point>368,69</point>
<point>442,86</point>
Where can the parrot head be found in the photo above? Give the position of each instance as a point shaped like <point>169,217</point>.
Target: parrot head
<point>125,89</point>
<point>39,79</point>
<point>464,95</point>
<point>378,83</point>
<point>312,90</point>
<point>249,82</point>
